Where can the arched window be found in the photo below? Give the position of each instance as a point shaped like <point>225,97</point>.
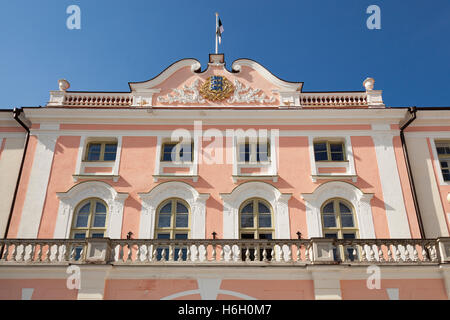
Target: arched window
<point>338,221</point>
<point>90,219</point>
<point>172,222</point>
<point>256,222</point>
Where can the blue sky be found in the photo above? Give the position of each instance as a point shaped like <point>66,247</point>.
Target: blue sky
<point>324,43</point>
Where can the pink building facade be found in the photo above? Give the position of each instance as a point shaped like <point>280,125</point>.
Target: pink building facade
<point>227,184</point>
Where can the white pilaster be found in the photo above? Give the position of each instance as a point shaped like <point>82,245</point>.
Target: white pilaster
<point>37,187</point>
<point>391,186</point>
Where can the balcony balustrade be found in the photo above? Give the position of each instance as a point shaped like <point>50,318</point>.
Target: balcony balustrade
<point>224,252</point>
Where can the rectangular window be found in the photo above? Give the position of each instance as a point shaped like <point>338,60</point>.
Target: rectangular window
<point>177,152</point>
<point>101,151</point>
<point>329,151</point>
<point>251,152</point>
<point>443,151</point>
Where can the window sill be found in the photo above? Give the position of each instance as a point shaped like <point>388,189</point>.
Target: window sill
<point>236,178</point>
<point>156,177</point>
<point>77,177</point>
<point>352,177</point>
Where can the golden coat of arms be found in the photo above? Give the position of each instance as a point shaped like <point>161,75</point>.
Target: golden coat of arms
<point>216,88</point>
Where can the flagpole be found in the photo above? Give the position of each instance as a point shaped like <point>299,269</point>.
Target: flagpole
<point>217,25</point>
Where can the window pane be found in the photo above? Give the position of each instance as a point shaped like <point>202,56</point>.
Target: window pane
<point>164,221</point>
<point>329,221</point>
<point>181,220</point>
<point>169,152</point>
<point>248,208</point>
<point>167,208</point>
<point>328,208</point>
<point>186,152</point>
<point>100,207</point>
<point>320,156</point>
<point>265,236</point>
<point>97,235</point>
<point>349,236</point>
<point>320,147</point>
<point>181,208</point>
<point>110,152</point>
<point>320,151</point>
<point>336,147</point>
<point>86,208</point>
<point>262,208</point>
<point>343,208</point>
<point>82,220</point>
<point>331,235</point>
<point>181,236</point>
<point>94,152</point>
<point>347,220</point>
<point>99,220</point>
<point>79,236</point>
<point>265,220</point>
<point>444,164</point>
<point>244,152</point>
<point>337,156</point>
<point>446,174</point>
<point>247,220</point>
<point>247,236</point>
<point>262,152</point>
<point>111,148</point>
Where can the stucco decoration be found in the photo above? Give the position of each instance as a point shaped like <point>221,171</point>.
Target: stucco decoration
<point>90,189</point>
<point>338,189</point>
<point>248,95</point>
<point>173,189</point>
<point>189,94</point>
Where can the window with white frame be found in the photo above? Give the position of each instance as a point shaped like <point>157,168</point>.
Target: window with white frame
<point>98,150</point>
<point>257,151</point>
<point>443,152</point>
<point>177,152</point>
<point>329,150</point>
<point>172,222</point>
<point>339,222</point>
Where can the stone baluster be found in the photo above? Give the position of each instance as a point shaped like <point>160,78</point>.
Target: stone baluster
<point>363,253</point>
<point>222,253</point>
<point>415,254</point>
<point>247,253</point>
<point>213,253</point>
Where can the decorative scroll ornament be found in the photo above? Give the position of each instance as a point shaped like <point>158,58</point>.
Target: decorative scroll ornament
<point>248,95</point>
<point>186,95</point>
<point>216,88</point>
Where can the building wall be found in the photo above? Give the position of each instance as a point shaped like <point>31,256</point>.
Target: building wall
<point>12,143</point>
<point>52,159</point>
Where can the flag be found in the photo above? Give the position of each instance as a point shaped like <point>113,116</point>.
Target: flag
<point>219,30</point>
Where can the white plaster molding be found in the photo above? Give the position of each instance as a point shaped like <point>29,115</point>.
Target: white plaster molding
<point>90,189</point>
<point>278,201</point>
<point>189,94</point>
<point>37,187</point>
<point>349,165</point>
<point>82,149</point>
<point>173,189</point>
<point>391,187</point>
<point>338,189</point>
<point>243,94</point>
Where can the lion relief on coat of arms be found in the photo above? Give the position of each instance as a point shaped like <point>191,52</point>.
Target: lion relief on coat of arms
<point>216,88</point>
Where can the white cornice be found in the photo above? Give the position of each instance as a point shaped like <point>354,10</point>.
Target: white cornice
<point>288,86</point>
